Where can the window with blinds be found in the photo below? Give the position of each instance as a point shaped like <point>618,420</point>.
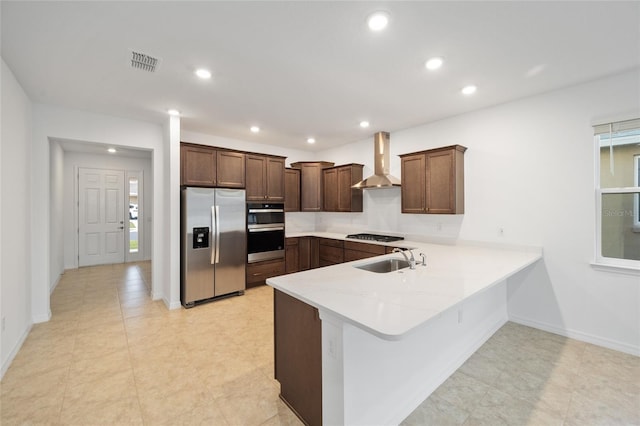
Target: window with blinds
<point>618,193</point>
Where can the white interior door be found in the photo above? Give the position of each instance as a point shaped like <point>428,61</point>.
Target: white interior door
<point>100,216</point>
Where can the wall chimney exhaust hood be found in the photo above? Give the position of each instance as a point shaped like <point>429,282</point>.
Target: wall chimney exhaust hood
<point>381,177</point>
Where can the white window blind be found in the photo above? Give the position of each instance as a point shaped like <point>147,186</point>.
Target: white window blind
<point>619,126</point>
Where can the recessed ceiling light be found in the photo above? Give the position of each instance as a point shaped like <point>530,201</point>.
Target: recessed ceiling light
<point>173,112</point>
<point>378,21</point>
<point>364,124</point>
<point>254,129</point>
<point>111,150</point>
<point>311,140</point>
<point>434,63</point>
<point>203,74</point>
<point>469,90</point>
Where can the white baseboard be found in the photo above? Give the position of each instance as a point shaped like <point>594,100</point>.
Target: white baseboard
<point>14,351</point>
<point>42,318</point>
<point>578,335</point>
<point>55,284</point>
<point>171,305</point>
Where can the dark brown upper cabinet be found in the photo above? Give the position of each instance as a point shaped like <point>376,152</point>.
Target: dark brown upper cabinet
<point>197,165</point>
<point>291,190</point>
<point>433,181</point>
<point>230,169</point>
<point>338,194</point>
<point>265,178</point>
<point>210,167</point>
<point>311,184</point>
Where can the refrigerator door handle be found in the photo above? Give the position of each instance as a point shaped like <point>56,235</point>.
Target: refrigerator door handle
<point>214,247</point>
<point>217,214</point>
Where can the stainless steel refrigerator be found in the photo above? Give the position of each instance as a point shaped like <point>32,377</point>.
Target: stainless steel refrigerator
<point>213,244</point>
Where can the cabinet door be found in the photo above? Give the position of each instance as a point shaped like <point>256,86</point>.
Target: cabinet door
<point>309,252</point>
<point>230,169</point>
<point>349,199</point>
<point>314,252</point>
<point>413,191</point>
<point>255,177</point>
<point>330,190</point>
<point>198,166</point>
<point>440,182</point>
<point>304,253</point>
<point>292,190</point>
<point>291,255</point>
<point>275,179</point>
<point>298,356</point>
<point>311,188</point>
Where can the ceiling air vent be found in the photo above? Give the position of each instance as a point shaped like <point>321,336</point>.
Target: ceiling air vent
<point>143,62</point>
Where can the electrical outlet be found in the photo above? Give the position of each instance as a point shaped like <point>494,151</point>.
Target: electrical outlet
<point>501,232</point>
<point>439,227</point>
<point>459,316</point>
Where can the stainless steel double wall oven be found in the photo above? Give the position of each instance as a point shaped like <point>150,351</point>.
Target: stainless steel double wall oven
<point>265,231</point>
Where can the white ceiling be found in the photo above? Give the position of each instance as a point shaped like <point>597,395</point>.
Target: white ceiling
<point>100,148</point>
<point>300,69</point>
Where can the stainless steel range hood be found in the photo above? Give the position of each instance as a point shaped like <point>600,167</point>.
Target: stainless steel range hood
<point>381,177</point>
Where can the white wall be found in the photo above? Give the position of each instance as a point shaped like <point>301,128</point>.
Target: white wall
<point>171,293</point>
<point>60,123</point>
<point>292,155</point>
<point>57,250</point>
<point>529,170</point>
<point>15,220</point>
<point>73,160</point>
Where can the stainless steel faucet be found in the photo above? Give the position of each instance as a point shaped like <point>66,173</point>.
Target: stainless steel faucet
<point>411,262</point>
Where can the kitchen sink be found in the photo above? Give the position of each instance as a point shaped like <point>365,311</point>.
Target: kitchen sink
<point>384,266</point>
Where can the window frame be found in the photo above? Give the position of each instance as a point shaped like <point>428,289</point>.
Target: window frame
<point>636,197</point>
<point>611,263</point>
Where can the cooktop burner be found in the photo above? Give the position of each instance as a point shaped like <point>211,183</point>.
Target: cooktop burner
<point>375,237</point>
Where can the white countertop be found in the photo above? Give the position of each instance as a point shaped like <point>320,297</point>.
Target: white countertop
<point>389,305</point>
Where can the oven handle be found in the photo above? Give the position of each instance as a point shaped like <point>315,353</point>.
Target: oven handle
<point>278,228</point>
<point>266,210</point>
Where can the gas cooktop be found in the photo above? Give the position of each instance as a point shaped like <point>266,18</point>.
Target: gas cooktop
<point>375,237</point>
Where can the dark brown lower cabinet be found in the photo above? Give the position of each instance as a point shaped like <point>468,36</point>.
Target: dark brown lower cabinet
<point>330,252</point>
<point>291,255</point>
<point>298,356</point>
<point>257,273</point>
<point>356,250</point>
<point>308,253</point>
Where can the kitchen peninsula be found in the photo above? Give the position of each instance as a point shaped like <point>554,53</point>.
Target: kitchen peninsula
<point>387,340</point>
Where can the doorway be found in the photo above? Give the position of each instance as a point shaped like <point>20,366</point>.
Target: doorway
<point>110,216</point>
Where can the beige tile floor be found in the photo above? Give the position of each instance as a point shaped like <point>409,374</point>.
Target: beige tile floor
<point>524,376</point>
<point>110,355</point>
